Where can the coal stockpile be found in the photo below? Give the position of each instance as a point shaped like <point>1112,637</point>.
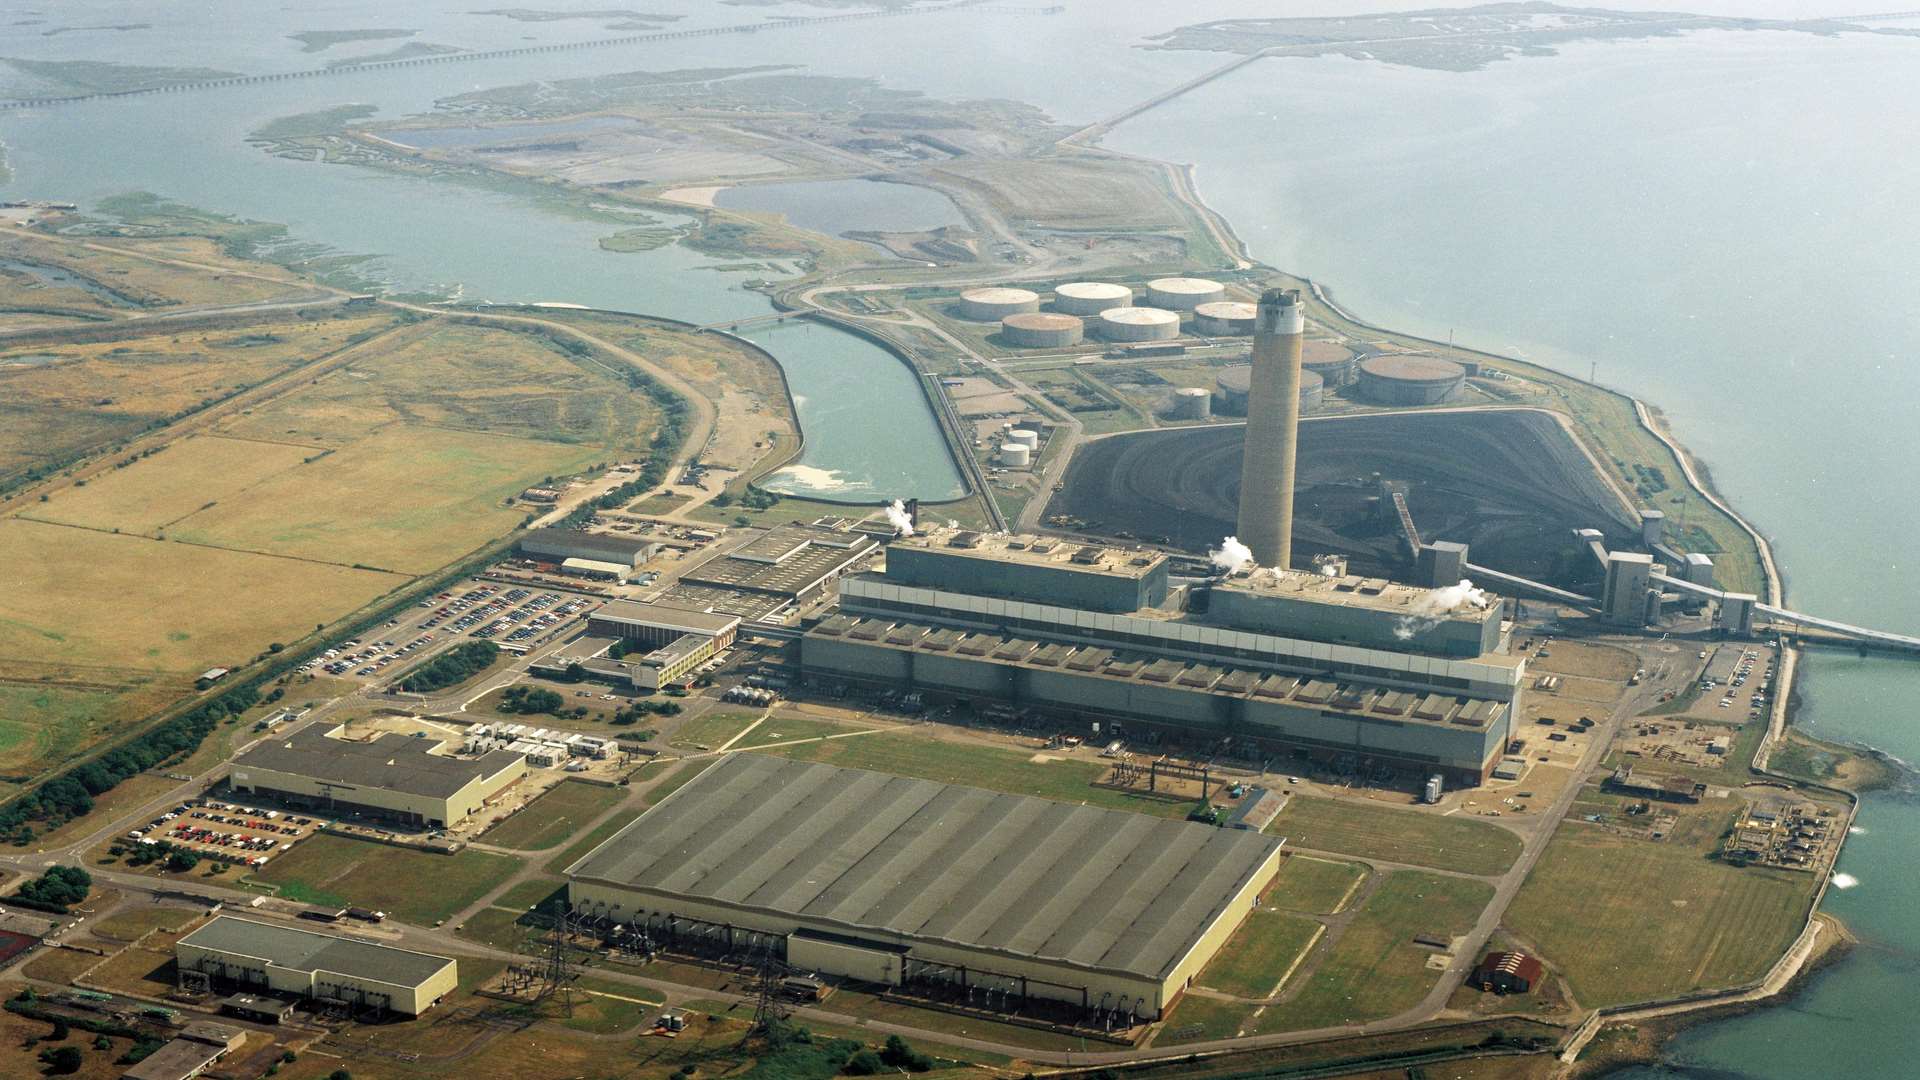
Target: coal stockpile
<point>1510,483</point>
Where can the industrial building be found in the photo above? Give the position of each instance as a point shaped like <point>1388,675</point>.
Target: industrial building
<point>1183,293</point>
<point>1090,297</point>
<point>993,304</point>
<point>1341,669</point>
<point>787,568</point>
<point>392,777</point>
<point>558,546</point>
<point>645,646</point>
<point>1019,903</point>
<point>1507,973</point>
<point>1410,379</point>
<point>195,1050</point>
<point>325,968</point>
<point>1138,324</point>
<point>1265,524</point>
<point>1042,330</point>
<point>1224,318</point>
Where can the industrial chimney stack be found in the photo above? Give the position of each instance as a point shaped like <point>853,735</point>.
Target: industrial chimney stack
<point>1273,428</point>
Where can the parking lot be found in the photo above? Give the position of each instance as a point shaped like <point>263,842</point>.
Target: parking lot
<point>514,617</point>
<point>227,832</point>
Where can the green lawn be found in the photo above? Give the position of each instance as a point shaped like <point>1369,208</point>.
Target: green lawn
<point>559,863</point>
<point>531,892</point>
<point>496,928</point>
<point>907,754</point>
<point>1199,1019</point>
<point>549,820</point>
<point>711,731</point>
<point>412,886</point>
<point>1260,954</point>
<point>1655,919</point>
<point>788,728</point>
<point>1316,886</point>
<point>1374,969</point>
<point>1378,832</point>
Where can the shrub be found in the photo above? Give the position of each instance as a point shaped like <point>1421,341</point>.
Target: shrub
<point>864,1063</point>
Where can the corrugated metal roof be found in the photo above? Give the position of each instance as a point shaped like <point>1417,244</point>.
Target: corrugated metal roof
<point>874,853</point>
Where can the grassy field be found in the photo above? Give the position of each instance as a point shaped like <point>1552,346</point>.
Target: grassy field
<point>1315,886</point>
<point>553,817</point>
<point>404,499</point>
<point>1655,918</point>
<point>57,401</point>
<point>117,286</point>
<point>191,475</point>
<point>1374,970</point>
<point>1200,1019</point>
<point>1260,953</point>
<point>130,923</point>
<point>779,729</point>
<point>80,586</point>
<point>710,731</point>
<point>579,848</point>
<point>1377,832</point>
<point>496,928</point>
<point>412,886</point>
<point>43,722</point>
<point>1012,771</point>
<point>532,892</point>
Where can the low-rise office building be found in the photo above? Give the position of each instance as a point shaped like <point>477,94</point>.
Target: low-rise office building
<point>188,1054</point>
<point>917,884</point>
<point>326,968</point>
<point>392,777</point>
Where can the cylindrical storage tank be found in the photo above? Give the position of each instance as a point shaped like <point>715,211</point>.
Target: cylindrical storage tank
<point>1410,379</point>
<point>1224,317</point>
<point>993,304</point>
<point>1192,403</point>
<point>1333,363</point>
<point>1312,389</point>
<point>1026,437</point>
<point>1183,293</point>
<point>1015,456</point>
<point>1090,297</point>
<point>1042,330</point>
<point>1139,324</point>
<point>1232,384</point>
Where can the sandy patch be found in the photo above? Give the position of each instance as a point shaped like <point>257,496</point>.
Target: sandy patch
<point>694,196</point>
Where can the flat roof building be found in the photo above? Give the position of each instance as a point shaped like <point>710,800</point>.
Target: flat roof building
<point>187,1054</point>
<point>559,545</point>
<point>391,776</point>
<point>678,641</point>
<point>908,882</point>
<point>790,566</point>
<point>324,967</point>
<point>1087,576</point>
<point>1371,612</point>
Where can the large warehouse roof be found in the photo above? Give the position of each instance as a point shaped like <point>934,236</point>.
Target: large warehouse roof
<point>393,762</point>
<point>913,859</point>
<point>584,544</point>
<point>304,950</point>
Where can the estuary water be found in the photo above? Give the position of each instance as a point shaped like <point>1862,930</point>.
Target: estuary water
<point>1720,222</point>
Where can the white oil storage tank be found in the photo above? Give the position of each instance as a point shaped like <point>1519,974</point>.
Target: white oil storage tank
<point>993,303</point>
<point>1042,330</point>
<point>1192,403</point>
<point>1090,297</point>
<point>1026,437</point>
<point>1139,324</point>
<point>1183,293</point>
<point>1224,317</point>
<point>1015,456</point>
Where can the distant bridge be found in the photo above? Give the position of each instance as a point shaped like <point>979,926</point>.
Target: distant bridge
<point>495,54</point>
<point>769,319</point>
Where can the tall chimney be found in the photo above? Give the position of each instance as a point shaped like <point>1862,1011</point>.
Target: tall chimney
<point>1273,428</point>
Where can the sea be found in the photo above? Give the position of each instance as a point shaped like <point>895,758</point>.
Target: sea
<point>1722,222</point>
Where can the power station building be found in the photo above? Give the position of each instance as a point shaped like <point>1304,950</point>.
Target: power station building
<point>1348,671</point>
<point>1015,901</point>
<point>660,646</point>
<point>326,968</point>
<point>392,777</point>
<point>563,545</point>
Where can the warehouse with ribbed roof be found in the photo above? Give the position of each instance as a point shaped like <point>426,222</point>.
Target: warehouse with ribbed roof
<point>912,883</point>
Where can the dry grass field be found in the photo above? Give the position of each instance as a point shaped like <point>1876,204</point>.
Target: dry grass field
<point>44,273</point>
<point>85,596</point>
<point>188,476</point>
<point>60,400</point>
<point>1070,193</point>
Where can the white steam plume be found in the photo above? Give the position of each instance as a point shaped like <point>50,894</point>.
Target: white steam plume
<point>1329,570</point>
<point>898,517</point>
<point>1430,609</point>
<point>1233,555</point>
